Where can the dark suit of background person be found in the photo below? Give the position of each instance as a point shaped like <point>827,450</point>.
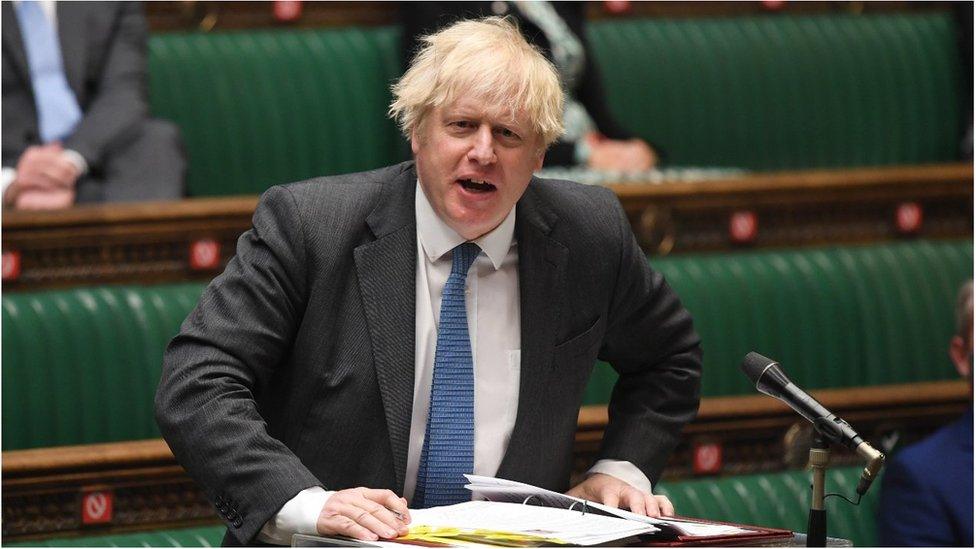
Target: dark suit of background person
<point>927,490</point>
<point>421,18</point>
<point>296,368</point>
<point>103,46</point>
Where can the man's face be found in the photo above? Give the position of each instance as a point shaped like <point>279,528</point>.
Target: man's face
<point>474,164</point>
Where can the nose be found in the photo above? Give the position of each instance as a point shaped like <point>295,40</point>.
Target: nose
<point>482,148</point>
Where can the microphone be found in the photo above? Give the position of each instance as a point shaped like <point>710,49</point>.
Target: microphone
<point>771,380</point>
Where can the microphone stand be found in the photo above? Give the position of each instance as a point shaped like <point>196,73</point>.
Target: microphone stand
<point>817,521</point>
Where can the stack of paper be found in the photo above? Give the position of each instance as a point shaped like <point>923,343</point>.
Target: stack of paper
<point>501,490</point>
<point>504,520</point>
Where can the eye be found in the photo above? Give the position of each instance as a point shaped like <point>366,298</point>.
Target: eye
<point>508,134</point>
<point>462,124</point>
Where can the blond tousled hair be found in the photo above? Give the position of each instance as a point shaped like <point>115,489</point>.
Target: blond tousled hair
<point>486,59</point>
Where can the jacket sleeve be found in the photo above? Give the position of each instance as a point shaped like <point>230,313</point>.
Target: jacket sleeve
<point>118,101</point>
<point>219,365</point>
<point>651,342</point>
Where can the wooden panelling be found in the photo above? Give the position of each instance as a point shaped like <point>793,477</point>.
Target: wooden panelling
<point>152,242</point>
<point>43,488</point>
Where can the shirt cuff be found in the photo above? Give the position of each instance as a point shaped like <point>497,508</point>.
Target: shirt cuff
<point>623,470</point>
<point>75,158</point>
<point>7,176</point>
<point>299,515</point>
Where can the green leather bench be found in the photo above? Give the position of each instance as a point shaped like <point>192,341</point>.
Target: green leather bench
<point>202,536</point>
<point>81,365</point>
<point>833,317</point>
<point>779,500</point>
<point>761,92</point>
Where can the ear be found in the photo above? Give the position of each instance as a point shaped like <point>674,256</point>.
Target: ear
<point>539,161</point>
<point>959,353</point>
<point>414,142</point>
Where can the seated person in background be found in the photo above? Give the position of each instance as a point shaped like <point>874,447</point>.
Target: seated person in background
<point>75,111</point>
<point>927,492</point>
<point>592,138</point>
<point>379,334</point>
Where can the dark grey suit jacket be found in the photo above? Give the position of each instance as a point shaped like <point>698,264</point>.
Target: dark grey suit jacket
<point>103,48</point>
<point>297,367</point>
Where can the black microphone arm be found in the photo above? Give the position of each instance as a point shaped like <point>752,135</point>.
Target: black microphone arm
<point>771,380</point>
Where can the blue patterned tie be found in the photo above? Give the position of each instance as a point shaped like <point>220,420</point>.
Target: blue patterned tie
<point>57,107</point>
<point>448,450</point>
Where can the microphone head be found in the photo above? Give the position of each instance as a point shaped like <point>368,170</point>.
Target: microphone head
<point>765,373</point>
<point>754,364</point>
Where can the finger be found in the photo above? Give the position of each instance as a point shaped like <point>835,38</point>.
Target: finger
<point>651,507</point>
<point>376,518</point>
<point>391,524</point>
<point>406,513</point>
<point>390,501</point>
<point>35,179</point>
<point>61,173</point>
<point>610,498</point>
<point>344,515</point>
<point>635,501</point>
<point>667,508</point>
<point>345,526</point>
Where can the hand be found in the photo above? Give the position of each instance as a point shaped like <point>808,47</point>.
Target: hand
<point>50,199</point>
<point>614,492</point>
<point>365,514</point>
<point>43,168</point>
<point>633,155</point>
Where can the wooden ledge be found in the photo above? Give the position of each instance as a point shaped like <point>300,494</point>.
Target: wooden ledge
<point>837,400</point>
<point>847,180</point>
<point>110,455</point>
<point>134,212</point>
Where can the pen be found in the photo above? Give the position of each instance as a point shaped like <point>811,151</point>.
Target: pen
<point>397,514</point>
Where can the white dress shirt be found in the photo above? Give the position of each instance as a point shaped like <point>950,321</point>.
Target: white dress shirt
<point>494,325</point>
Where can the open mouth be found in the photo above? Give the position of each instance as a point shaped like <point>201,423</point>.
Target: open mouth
<point>477,186</point>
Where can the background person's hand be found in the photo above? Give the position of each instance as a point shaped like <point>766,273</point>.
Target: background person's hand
<point>45,179</point>
<point>614,492</point>
<point>633,155</point>
<point>44,199</point>
<point>365,514</point>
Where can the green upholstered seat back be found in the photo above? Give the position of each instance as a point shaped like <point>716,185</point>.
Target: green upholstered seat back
<point>202,536</point>
<point>782,92</point>
<point>833,317</point>
<point>778,500</point>
<point>268,107</point>
<point>762,92</point>
<point>81,366</point>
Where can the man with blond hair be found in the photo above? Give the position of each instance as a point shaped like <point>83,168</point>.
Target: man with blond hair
<point>379,334</point>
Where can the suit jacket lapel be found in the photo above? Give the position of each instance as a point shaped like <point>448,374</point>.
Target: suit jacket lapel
<point>386,269</point>
<point>542,263</point>
<point>71,34</point>
<point>13,42</point>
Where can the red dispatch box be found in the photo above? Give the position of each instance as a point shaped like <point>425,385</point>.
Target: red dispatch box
<point>96,507</point>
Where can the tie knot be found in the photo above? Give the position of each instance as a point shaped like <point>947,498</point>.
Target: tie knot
<point>464,255</point>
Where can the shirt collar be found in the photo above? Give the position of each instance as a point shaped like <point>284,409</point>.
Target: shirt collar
<point>437,238</point>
